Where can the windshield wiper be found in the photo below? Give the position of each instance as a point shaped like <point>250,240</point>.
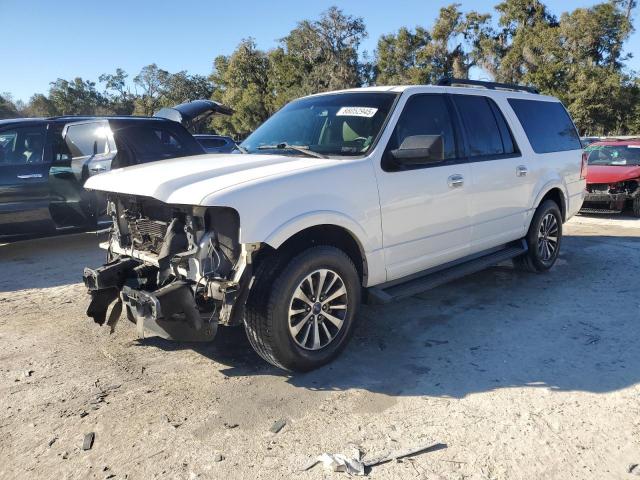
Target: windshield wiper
<point>297,148</point>
<point>240,148</point>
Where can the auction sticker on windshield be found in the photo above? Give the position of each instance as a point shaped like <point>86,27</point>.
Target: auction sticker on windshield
<point>367,112</point>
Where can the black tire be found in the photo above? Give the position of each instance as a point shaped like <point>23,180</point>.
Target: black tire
<point>534,260</point>
<point>266,316</point>
<point>635,207</point>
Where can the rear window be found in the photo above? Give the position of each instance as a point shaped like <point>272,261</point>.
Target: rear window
<point>151,142</point>
<point>486,130</point>
<point>212,142</point>
<point>547,125</point>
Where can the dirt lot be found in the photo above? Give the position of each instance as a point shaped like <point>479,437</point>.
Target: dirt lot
<point>522,376</point>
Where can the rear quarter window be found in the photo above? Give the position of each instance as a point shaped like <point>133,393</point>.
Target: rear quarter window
<point>547,125</point>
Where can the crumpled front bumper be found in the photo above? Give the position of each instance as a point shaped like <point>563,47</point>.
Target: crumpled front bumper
<point>600,197</point>
<point>170,311</point>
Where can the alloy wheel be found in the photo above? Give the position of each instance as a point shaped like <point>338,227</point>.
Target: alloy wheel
<point>317,309</point>
<point>548,237</point>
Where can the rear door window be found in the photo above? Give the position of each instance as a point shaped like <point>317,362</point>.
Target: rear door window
<point>547,125</point>
<point>486,130</point>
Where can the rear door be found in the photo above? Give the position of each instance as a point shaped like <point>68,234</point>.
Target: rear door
<point>501,181</point>
<point>24,175</point>
<point>425,209</point>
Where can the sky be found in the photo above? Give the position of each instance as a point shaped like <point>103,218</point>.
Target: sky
<point>43,40</point>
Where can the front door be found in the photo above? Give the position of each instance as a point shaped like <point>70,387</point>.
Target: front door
<point>425,208</point>
<point>24,177</point>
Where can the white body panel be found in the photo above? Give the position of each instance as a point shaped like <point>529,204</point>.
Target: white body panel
<point>404,221</point>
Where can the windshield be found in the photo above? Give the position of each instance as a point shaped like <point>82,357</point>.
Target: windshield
<point>614,154</point>
<point>344,124</point>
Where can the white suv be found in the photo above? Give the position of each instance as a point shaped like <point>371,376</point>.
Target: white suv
<point>367,194</point>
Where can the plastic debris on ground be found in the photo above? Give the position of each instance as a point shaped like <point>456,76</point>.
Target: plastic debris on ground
<point>354,465</point>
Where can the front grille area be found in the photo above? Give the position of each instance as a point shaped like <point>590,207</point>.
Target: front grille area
<point>148,234</point>
<point>598,187</point>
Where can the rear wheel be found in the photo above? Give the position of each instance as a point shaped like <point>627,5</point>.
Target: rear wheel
<point>543,239</point>
<point>302,316</point>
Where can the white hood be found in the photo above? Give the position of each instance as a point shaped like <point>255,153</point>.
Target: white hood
<point>188,180</point>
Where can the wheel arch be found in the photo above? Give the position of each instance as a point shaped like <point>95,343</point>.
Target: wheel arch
<point>291,240</point>
<point>558,195</point>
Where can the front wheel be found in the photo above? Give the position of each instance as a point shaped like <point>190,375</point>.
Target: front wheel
<point>635,207</point>
<point>543,239</point>
<point>301,317</point>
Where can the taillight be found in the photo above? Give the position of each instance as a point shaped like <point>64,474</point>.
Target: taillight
<point>583,167</point>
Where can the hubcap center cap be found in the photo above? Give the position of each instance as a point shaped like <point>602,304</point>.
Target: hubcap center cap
<point>317,308</point>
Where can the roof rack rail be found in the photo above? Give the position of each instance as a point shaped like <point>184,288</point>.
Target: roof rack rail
<point>452,82</point>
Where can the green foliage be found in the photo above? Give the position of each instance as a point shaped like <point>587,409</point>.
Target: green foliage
<point>7,107</point>
<point>76,97</point>
<point>326,51</point>
<point>39,106</point>
<point>578,57</point>
<point>242,82</point>
<point>119,99</point>
<point>425,56</point>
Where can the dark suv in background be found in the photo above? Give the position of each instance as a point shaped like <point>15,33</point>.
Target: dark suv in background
<point>44,162</point>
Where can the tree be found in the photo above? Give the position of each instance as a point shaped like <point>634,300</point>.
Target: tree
<point>181,87</point>
<point>76,97</point>
<point>40,106</point>
<point>512,51</point>
<point>120,101</point>
<point>595,35</point>
<point>397,57</point>
<point>241,81</point>
<point>325,51</point>
<point>7,107</point>
<point>601,101</point>
<point>151,81</point>
<point>449,49</point>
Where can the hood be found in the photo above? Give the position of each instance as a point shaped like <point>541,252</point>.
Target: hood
<point>612,173</point>
<point>188,180</point>
<point>190,113</point>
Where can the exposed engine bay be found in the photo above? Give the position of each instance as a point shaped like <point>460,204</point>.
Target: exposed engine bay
<point>178,271</point>
<point>613,196</point>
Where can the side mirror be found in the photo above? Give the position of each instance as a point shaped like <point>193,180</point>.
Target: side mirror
<point>420,150</point>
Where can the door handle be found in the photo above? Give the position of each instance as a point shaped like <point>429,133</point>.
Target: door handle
<point>455,181</point>
<point>30,175</point>
<point>521,171</point>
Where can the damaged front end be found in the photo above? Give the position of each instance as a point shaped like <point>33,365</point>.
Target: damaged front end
<point>613,197</point>
<point>176,271</point>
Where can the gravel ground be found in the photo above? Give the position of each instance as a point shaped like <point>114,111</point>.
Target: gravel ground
<point>521,376</point>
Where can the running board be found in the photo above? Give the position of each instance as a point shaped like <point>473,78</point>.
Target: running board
<point>440,275</point>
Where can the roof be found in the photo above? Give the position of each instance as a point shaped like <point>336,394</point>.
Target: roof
<point>78,118</point>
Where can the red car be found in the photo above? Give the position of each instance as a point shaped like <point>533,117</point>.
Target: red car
<point>613,176</point>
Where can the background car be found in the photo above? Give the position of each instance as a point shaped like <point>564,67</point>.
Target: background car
<point>586,141</point>
<point>44,162</point>
<point>216,143</point>
<point>613,177</point>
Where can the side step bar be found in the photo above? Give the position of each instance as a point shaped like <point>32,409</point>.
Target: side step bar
<point>437,276</point>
